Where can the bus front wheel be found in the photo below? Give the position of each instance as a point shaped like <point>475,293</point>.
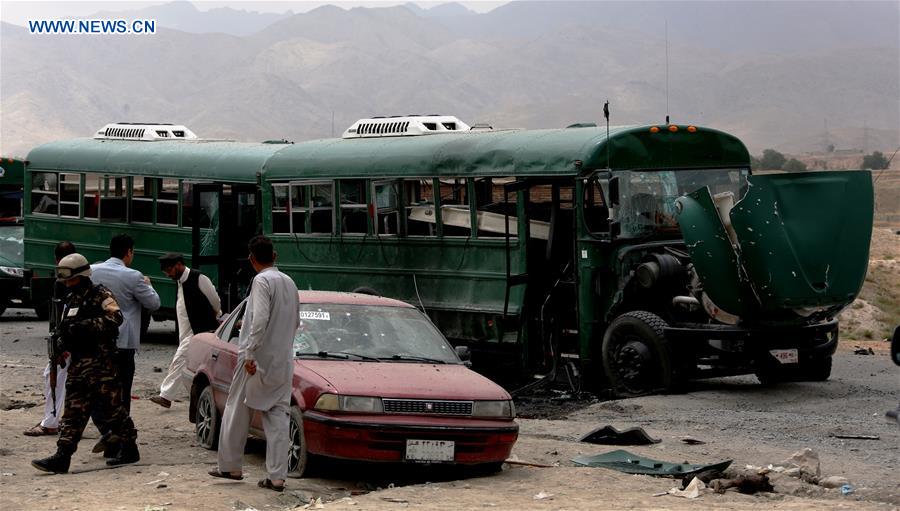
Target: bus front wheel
<point>636,355</point>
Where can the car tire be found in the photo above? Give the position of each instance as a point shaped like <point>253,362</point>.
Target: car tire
<point>208,421</point>
<point>636,355</point>
<point>300,462</point>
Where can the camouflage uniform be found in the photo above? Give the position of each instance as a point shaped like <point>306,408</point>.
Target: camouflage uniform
<point>90,327</point>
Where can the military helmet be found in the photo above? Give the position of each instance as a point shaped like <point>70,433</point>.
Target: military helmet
<point>73,265</point>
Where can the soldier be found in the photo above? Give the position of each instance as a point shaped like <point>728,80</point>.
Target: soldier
<point>89,327</point>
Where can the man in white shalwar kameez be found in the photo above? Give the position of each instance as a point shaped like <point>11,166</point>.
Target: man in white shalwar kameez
<point>264,372</point>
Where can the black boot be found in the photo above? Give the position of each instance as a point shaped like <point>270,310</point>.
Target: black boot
<point>58,463</point>
<point>128,454</point>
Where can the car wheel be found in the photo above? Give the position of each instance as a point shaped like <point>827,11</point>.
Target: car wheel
<point>299,460</point>
<point>817,369</point>
<point>208,420</point>
<point>636,356</point>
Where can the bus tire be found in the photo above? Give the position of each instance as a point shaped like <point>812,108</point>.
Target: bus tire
<point>636,355</point>
<point>364,290</point>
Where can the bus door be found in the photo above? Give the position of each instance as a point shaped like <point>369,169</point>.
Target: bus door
<point>204,216</point>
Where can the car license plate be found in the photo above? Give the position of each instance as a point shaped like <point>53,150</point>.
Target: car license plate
<point>429,451</point>
<point>786,356</point>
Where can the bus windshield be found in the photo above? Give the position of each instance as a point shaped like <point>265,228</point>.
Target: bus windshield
<point>647,198</point>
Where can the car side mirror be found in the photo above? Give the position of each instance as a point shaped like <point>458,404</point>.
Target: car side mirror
<point>464,354</point>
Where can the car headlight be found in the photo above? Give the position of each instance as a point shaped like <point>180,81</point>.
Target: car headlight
<point>334,402</point>
<point>12,271</point>
<point>494,409</point>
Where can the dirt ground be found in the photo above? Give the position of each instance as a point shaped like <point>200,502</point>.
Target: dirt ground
<point>737,418</point>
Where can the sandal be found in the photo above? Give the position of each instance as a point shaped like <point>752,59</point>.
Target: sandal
<point>39,430</point>
<point>225,475</point>
<point>269,485</point>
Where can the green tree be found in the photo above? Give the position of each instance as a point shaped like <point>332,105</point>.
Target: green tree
<point>754,163</point>
<point>794,165</point>
<point>874,161</point>
<point>771,160</point>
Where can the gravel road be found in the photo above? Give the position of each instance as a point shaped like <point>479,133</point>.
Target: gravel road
<point>736,418</point>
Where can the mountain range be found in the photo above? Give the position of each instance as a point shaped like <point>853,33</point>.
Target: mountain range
<point>794,76</point>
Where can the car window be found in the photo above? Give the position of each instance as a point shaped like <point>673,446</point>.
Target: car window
<point>232,327</point>
<point>371,331</point>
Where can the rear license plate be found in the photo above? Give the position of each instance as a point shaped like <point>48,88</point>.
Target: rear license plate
<point>786,356</point>
<point>429,451</point>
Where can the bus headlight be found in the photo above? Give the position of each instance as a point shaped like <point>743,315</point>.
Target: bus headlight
<point>494,409</point>
<point>12,271</point>
<point>359,404</point>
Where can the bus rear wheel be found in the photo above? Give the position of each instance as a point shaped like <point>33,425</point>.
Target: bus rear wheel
<point>636,355</point>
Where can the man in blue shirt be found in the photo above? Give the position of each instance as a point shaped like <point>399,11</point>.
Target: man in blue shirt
<point>132,291</point>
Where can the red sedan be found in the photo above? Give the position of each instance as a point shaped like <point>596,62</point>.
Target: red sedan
<point>374,380</point>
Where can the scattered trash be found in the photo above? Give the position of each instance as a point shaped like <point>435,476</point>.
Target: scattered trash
<point>527,463</point>
<point>157,369</point>
<point>807,460</point>
<point>846,489</point>
<point>691,440</point>
<point>855,437</point>
<point>7,474</point>
<point>660,494</point>
<point>395,500</point>
<point>315,503</point>
<point>833,482</point>
<point>693,490</point>
<point>863,351</point>
<point>161,485</point>
<point>706,476</point>
<point>608,435</point>
<point>746,484</point>
<point>624,461</point>
<point>543,496</point>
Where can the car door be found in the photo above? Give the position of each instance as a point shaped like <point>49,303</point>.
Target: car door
<point>224,353</point>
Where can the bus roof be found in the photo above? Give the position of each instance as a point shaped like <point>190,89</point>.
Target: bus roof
<point>214,160</point>
<point>507,153</point>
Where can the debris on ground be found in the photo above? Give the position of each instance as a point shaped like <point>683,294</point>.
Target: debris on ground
<point>240,505</point>
<point>846,489</point>
<point>691,440</point>
<point>747,484</point>
<point>693,490</point>
<point>543,496</point>
<point>807,460</point>
<point>629,463</point>
<point>848,436</point>
<point>833,482</point>
<point>863,351</point>
<point>608,435</point>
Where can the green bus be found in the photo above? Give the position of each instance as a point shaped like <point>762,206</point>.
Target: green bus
<point>13,291</point>
<point>534,248</point>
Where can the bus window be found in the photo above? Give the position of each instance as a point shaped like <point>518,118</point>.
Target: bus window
<point>70,195</point>
<point>112,200</point>
<point>354,216</point>
<point>281,222</point>
<point>299,208</point>
<point>44,193</point>
<point>387,195</point>
<point>493,209</point>
<point>418,195</point>
<point>322,203</point>
<point>91,203</point>
<point>142,200</point>
<point>209,207</point>
<point>167,201</point>
<point>455,219</point>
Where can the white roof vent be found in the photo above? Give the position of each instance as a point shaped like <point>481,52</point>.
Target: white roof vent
<point>404,125</point>
<point>142,131</point>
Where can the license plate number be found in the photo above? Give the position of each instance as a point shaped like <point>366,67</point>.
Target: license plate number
<point>786,356</point>
<point>429,451</point>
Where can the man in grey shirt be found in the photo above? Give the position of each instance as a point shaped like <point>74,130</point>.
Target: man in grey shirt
<point>132,291</point>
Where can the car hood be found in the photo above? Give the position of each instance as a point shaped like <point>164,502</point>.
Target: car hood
<point>405,380</point>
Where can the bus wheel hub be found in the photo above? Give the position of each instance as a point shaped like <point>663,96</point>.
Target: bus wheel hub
<point>632,359</point>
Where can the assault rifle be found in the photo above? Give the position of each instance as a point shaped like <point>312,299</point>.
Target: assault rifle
<point>55,351</point>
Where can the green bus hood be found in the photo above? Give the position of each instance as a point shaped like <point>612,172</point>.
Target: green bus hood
<point>802,243</point>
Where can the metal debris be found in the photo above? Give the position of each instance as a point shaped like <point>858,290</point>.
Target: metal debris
<point>608,435</point>
<point>629,463</point>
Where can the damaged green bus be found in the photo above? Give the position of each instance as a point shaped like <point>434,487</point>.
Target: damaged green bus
<point>637,257</point>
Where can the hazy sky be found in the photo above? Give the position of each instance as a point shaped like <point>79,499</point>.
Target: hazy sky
<point>18,12</point>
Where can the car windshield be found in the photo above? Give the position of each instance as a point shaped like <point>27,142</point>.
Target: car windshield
<point>647,198</point>
<point>358,332</point>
